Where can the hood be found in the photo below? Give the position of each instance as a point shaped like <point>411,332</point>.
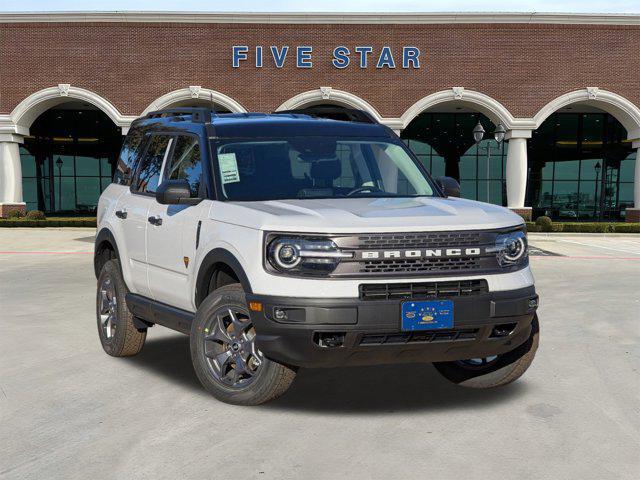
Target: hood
<point>361,215</point>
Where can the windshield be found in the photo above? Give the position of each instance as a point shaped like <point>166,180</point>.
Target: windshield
<point>316,167</point>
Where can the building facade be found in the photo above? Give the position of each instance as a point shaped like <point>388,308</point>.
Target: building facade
<point>564,87</point>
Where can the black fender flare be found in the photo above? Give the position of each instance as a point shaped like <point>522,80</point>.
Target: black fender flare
<point>218,255</point>
<point>104,235</point>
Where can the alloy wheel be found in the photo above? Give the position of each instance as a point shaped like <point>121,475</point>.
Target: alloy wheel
<point>230,349</point>
<point>108,308</point>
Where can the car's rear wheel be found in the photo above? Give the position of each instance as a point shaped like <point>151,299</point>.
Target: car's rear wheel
<point>118,334</point>
<point>496,370</point>
<point>225,356</point>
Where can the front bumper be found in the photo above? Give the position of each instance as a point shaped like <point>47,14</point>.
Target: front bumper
<point>334,332</point>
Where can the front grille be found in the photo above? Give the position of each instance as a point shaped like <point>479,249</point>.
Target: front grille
<point>456,335</point>
<point>421,239</point>
<point>417,253</point>
<point>422,265</point>
<point>422,290</point>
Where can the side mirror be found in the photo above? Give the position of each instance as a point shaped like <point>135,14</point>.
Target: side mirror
<point>175,192</point>
<point>449,186</point>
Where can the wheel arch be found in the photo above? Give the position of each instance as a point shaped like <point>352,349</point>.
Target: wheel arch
<point>219,261</point>
<point>106,249</point>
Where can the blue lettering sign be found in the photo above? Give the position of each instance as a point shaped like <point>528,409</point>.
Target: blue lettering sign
<point>303,57</point>
<point>279,56</point>
<point>341,57</point>
<point>386,58</point>
<point>411,55</point>
<point>259,56</point>
<point>364,53</point>
<point>239,53</point>
<point>366,56</point>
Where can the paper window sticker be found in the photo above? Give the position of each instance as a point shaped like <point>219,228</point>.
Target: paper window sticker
<point>228,168</point>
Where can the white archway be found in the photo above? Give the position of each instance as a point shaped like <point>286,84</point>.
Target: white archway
<point>28,110</point>
<point>330,96</point>
<point>194,92</point>
<point>459,96</point>
<point>622,109</point>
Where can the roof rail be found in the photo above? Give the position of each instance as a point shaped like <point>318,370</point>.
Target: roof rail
<point>197,114</point>
<point>333,112</point>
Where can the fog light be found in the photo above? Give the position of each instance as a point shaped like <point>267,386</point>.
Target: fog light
<point>279,314</point>
<point>533,303</point>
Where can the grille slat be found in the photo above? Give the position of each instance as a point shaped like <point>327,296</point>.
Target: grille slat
<point>422,290</point>
<point>455,335</point>
<point>421,239</point>
<point>422,265</point>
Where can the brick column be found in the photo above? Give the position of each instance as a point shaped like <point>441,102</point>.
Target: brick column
<point>517,171</point>
<point>633,214</point>
<point>10,175</point>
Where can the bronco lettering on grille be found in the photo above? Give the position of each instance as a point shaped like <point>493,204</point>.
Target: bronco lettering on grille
<point>422,253</point>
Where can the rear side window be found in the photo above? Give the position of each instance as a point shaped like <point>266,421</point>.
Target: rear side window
<point>151,164</point>
<point>128,157</point>
<point>186,163</point>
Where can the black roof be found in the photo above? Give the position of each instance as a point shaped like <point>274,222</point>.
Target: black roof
<point>281,124</point>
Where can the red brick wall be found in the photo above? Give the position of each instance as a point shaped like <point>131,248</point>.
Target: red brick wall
<point>522,66</point>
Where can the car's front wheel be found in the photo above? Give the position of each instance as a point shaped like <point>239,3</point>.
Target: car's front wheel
<point>225,356</point>
<point>496,370</point>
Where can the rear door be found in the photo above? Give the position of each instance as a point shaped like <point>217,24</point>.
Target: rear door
<point>133,210</point>
<point>171,239</point>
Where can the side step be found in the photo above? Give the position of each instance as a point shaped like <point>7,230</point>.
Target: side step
<point>160,313</point>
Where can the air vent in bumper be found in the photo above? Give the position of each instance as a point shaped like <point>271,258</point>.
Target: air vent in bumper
<point>422,290</point>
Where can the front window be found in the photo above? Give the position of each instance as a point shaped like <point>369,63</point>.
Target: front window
<point>317,167</point>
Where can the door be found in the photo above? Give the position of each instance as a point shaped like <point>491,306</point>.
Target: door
<point>171,238</point>
<point>133,211</point>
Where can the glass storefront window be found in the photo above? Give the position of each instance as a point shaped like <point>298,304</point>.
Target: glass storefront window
<point>579,164</point>
<point>68,160</point>
<point>444,143</point>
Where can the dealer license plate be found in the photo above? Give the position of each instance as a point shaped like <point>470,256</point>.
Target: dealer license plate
<point>428,315</point>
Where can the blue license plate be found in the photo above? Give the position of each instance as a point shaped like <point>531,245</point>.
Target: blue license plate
<point>428,315</point>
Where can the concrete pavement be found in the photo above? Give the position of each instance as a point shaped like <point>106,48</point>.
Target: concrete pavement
<point>68,411</point>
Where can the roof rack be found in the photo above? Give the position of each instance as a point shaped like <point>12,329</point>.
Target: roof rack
<point>197,114</point>
<point>333,112</point>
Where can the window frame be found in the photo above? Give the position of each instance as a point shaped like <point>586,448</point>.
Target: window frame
<point>133,188</point>
<point>141,147</point>
<point>169,158</point>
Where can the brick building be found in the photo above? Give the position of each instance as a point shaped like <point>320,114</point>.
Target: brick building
<point>565,88</point>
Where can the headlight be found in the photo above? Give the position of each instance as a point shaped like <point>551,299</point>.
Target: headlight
<point>303,255</point>
<point>511,248</point>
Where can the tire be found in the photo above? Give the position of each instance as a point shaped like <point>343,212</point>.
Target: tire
<point>228,363</point>
<point>118,335</point>
<point>503,370</point>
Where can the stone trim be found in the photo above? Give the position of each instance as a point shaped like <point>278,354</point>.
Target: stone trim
<point>415,18</point>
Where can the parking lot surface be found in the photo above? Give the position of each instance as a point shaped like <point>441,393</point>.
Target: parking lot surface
<point>68,411</point>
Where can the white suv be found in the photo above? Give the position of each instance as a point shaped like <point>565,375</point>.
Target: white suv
<point>283,241</point>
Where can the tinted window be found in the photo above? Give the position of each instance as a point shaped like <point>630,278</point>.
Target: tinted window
<point>317,167</point>
<point>186,163</point>
<point>128,156</point>
<point>149,175</point>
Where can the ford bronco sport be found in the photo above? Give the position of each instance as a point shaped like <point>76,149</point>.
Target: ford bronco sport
<point>279,241</point>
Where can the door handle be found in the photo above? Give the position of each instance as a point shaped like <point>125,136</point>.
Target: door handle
<point>155,220</point>
<point>121,214</point>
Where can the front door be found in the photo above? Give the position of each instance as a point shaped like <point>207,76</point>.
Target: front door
<point>171,238</point>
<point>134,207</point>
